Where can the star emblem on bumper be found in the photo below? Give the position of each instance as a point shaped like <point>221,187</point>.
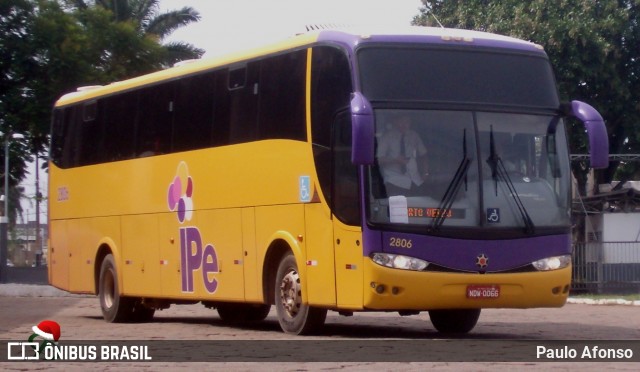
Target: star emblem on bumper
<point>482,261</point>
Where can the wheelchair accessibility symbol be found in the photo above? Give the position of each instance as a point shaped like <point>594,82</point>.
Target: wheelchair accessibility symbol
<point>305,189</point>
<point>493,215</point>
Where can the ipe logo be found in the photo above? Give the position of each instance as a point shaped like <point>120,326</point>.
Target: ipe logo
<point>47,332</point>
<point>193,256</point>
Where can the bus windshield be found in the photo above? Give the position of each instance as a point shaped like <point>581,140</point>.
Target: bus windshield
<point>440,169</point>
<point>414,73</point>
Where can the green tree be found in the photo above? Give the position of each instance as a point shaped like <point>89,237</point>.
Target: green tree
<point>594,47</point>
<point>50,47</point>
<point>17,64</point>
<point>144,17</point>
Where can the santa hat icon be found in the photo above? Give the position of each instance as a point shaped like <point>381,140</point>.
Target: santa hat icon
<point>48,329</point>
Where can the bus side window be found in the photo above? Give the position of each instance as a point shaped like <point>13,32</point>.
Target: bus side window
<point>119,126</point>
<point>57,137</point>
<point>330,93</point>
<point>67,143</point>
<point>282,97</point>
<point>193,116</point>
<point>62,144</point>
<point>155,117</point>
<point>221,114</point>
<point>243,108</point>
<point>91,133</point>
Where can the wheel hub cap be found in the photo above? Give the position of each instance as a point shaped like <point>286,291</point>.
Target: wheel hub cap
<point>290,293</point>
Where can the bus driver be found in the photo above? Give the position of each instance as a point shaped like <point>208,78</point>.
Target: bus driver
<point>402,157</point>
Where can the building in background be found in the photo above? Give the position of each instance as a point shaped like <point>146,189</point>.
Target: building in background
<point>28,245</point>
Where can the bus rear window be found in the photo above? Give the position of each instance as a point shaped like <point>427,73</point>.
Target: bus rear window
<point>456,76</point>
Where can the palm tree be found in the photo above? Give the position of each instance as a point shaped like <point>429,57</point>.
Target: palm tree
<point>146,17</point>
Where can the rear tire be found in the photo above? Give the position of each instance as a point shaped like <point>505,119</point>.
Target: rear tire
<point>294,316</point>
<point>455,320</point>
<point>115,308</point>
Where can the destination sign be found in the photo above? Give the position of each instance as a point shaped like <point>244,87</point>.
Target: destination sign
<point>435,212</point>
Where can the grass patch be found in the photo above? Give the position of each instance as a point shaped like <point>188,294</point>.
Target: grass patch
<point>628,297</point>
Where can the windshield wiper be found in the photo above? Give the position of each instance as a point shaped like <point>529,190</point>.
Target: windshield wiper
<point>498,170</point>
<point>452,189</point>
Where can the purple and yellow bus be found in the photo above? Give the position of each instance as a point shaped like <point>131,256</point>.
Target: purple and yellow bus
<point>416,170</point>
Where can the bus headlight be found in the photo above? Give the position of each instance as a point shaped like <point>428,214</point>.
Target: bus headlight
<point>397,261</point>
<point>552,263</point>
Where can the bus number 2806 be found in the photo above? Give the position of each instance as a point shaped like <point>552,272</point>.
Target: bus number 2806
<point>400,243</point>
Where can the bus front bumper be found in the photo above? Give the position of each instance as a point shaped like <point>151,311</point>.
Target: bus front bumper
<point>394,289</point>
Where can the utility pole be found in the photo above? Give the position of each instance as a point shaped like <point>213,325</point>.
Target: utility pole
<point>38,242</point>
<point>4,220</point>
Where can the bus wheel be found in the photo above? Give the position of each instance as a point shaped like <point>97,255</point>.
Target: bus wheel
<point>115,309</point>
<point>454,321</point>
<point>239,313</point>
<point>294,316</point>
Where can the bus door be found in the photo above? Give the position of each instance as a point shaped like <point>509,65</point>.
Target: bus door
<point>345,205</point>
<point>333,235</point>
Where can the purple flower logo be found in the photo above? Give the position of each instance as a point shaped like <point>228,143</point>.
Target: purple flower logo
<point>179,196</point>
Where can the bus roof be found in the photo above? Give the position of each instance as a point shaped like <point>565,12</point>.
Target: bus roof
<point>427,35</point>
<point>351,36</point>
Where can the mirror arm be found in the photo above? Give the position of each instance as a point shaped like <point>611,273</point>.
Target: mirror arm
<point>596,130</point>
<point>363,132</point>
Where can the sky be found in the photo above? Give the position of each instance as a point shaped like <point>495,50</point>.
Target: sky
<point>231,25</point>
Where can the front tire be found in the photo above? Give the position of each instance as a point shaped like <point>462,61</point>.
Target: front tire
<point>455,320</point>
<point>115,308</point>
<point>294,316</point>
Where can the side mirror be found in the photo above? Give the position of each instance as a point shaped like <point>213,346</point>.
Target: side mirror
<point>596,130</point>
<point>363,131</point>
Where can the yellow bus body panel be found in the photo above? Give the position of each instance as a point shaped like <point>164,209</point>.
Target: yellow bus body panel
<point>251,264</point>
<point>349,268</point>
<point>59,255</point>
<point>241,203</point>
<point>140,255</point>
<point>320,258</point>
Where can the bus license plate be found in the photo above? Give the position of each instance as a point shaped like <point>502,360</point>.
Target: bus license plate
<point>483,291</point>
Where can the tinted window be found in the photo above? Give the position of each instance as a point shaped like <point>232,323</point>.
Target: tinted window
<point>221,105</point>
<point>62,144</point>
<point>282,96</point>
<point>193,112</point>
<point>119,126</point>
<point>243,104</point>
<point>237,78</point>
<point>262,99</point>
<point>155,120</point>
<point>345,174</point>
<point>443,75</point>
<point>330,92</point>
<point>57,137</point>
<point>89,134</point>
<point>90,111</point>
